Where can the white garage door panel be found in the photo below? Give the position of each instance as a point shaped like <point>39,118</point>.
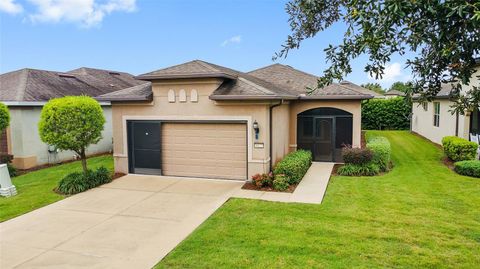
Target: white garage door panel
<point>211,150</point>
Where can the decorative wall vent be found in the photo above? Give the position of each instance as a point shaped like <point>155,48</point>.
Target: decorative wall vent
<point>182,96</point>
<point>193,96</point>
<point>171,96</point>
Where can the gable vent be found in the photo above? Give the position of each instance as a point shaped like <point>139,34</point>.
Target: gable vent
<point>66,76</point>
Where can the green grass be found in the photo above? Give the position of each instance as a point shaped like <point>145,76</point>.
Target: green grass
<point>35,189</point>
<point>420,215</point>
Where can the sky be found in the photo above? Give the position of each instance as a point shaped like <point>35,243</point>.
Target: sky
<point>139,36</point>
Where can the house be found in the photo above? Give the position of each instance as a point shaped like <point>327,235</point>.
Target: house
<point>26,91</point>
<point>434,120</point>
<point>199,119</point>
<point>394,93</point>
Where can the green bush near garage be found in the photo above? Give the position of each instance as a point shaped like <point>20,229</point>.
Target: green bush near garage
<point>294,166</point>
<point>386,114</point>
<point>459,149</point>
<point>469,168</point>
<point>79,182</point>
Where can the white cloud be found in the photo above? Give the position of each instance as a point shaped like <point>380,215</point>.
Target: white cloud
<point>10,6</point>
<point>392,73</point>
<point>87,13</point>
<point>234,39</point>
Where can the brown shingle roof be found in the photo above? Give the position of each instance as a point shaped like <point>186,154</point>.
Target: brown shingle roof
<point>142,92</point>
<point>272,82</point>
<point>192,69</point>
<point>297,82</point>
<point>28,85</point>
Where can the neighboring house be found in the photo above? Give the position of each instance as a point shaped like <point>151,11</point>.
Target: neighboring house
<point>199,119</point>
<point>394,93</point>
<point>434,120</point>
<point>26,91</point>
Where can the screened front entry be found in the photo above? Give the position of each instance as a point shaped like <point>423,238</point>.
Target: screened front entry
<point>324,131</point>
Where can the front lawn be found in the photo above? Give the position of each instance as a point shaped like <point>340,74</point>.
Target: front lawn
<point>420,215</point>
<point>35,189</point>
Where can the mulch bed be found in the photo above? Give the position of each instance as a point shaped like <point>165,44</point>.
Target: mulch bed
<point>117,175</point>
<point>251,186</point>
<point>448,163</point>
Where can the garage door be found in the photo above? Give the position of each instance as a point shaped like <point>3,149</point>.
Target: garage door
<point>210,150</point>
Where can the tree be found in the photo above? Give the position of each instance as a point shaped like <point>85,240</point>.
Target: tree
<point>72,123</point>
<point>4,117</point>
<point>373,87</point>
<point>401,87</point>
<point>444,37</point>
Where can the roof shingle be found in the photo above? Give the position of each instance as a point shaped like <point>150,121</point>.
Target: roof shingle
<point>29,85</point>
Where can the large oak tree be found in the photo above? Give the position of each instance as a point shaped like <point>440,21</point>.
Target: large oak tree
<point>444,37</point>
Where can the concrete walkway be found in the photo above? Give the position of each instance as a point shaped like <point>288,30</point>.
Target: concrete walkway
<point>311,189</point>
<point>132,222</point>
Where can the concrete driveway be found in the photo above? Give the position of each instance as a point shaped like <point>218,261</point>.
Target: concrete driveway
<point>132,222</point>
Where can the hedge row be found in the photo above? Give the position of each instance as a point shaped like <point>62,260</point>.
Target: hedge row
<point>382,151</point>
<point>294,166</point>
<point>386,114</point>
<point>459,149</point>
<point>468,168</point>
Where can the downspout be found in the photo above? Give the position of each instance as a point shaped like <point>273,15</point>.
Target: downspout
<point>270,132</point>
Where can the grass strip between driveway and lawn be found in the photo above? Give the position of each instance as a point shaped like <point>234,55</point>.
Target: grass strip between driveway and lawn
<point>35,189</point>
<point>419,215</point>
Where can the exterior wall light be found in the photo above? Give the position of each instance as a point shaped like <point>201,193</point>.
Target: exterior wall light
<point>256,129</point>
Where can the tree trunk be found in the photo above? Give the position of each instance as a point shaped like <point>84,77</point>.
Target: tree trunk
<point>83,157</point>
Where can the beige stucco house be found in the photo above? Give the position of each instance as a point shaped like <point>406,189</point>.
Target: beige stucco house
<point>198,119</point>
<point>434,120</point>
<point>25,92</point>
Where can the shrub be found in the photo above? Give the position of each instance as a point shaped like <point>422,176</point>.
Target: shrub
<point>468,168</point>
<point>386,114</point>
<point>294,165</point>
<point>280,183</point>
<point>79,182</point>
<point>356,155</point>
<point>263,180</point>
<point>380,146</point>
<point>459,149</point>
<point>72,123</point>
<point>12,170</point>
<point>369,169</point>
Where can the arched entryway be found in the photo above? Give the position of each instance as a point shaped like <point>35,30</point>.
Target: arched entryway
<point>324,131</point>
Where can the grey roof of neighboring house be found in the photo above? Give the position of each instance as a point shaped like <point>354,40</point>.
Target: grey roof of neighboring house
<point>395,92</point>
<point>272,82</point>
<point>33,85</point>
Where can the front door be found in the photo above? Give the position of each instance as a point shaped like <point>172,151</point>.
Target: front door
<point>316,134</point>
<point>323,140</point>
<point>144,147</point>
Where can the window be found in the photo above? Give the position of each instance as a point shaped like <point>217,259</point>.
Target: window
<point>475,122</point>
<point>436,114</point>
<point>425,106</point>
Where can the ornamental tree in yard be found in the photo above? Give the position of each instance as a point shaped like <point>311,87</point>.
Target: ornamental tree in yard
<point>442,38</point>
<point>72,123</point>
<point>4,117</point>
